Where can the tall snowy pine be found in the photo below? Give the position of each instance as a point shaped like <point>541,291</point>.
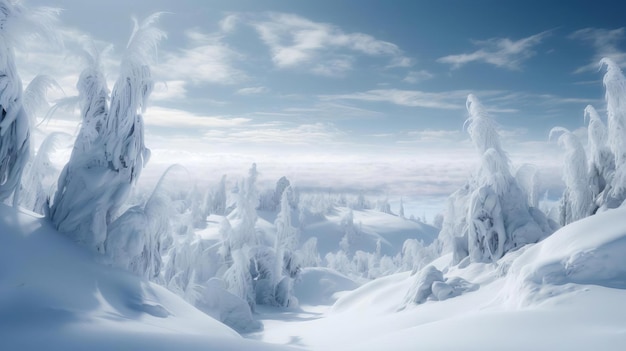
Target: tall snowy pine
<point>16,22</point>
<point>490,215</point>
<point>109,153</point>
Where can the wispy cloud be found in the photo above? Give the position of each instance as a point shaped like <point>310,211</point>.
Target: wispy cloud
<point>322,48</point>
<point>173,118</point>
<point>208,59</point>
<point>418,76</point>
<point>170,90</point>
<point>251,91</point>
<point>500,52</point>
<point>605,42</point>
<point>302,135</point>
<point>450,100</point>
<point>430,135</point>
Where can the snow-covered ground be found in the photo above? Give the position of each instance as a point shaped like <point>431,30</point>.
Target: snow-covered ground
<point>56,296</point>
<point>566,292</point>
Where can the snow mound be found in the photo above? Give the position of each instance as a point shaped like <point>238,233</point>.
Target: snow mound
<point>370,226</point>
<point>55,295</point>
<point>587,252</point>
<point>320,286</point>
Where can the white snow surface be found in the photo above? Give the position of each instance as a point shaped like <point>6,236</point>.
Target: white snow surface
<point>54,295</point>
<point>564,293</point>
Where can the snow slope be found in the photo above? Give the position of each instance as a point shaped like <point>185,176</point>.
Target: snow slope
<point>371,226</point>
<point>564,293</point>
<point>56,296</point>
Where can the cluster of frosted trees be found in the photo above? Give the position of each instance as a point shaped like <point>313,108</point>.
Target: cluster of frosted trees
<point>494,212</point>
<point>595,177</point>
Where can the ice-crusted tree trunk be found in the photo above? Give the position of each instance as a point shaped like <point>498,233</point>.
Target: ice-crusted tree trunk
<point>110,151</point>
<point>601,159</point>
<point>16,22</point>
<point>490,215</point>
<point>577,202</point>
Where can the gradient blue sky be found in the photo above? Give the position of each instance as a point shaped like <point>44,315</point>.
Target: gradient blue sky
<point>317,86</point>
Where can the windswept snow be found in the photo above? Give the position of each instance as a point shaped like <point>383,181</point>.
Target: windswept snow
<point>54,295</point>
<point>565,292</point>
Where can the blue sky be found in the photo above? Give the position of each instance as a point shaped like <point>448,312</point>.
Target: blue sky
<point>379,84</point>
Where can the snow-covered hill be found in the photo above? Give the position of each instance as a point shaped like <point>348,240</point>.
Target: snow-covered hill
<point>565,293</point>
<point>56,296</point>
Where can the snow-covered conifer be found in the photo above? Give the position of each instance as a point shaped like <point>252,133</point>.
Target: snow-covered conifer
<point>601,159</point>
<point>39,176</point>
<point>110,152</point>
<point>577,202</point>
<point>17,21</point>
<point>490,215</point>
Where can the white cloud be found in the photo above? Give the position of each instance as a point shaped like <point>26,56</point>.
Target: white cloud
<point>229,23</point>
<point>169,90</point>
<point>430,135</point>
<point>173,118</point>
<point>313,134</point>
<point>251,91</point>
<point>295,41</point>
<point>500,52</point>
<point>418,76</point>
<point>605,42</point>
<point>450,100</point>
<point>207,60</point>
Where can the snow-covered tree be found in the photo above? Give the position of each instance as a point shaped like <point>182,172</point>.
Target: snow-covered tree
<point>39,176</point>
<point>138,238</point>
<point>382,205</point>
<point>247,203</point>
<point>217,203</point>
<point>109,153</point>
<point>527,176</point>
<point>287,261</point>
<point>601,159</point>
<point>351,232</point>
<point>401,210</point>
<point>490,215</point>
<point>308,254</point>
<point>577,201</point>
<point>17,22</point>
<point>615,85</point>
<point>238,279</point>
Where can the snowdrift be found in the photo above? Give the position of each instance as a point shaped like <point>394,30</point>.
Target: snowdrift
<point>54,295</point>
<point>371,226</point>
<point>564,293</point>
<point>320,286</point>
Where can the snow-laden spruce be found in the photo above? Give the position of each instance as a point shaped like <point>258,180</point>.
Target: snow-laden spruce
<point>601,159</point>
<point>109,153</point>
<point>577,201</point>
<point>490,215</point>
<point>17,22</point>
<point>615,85</point>
<point>37,184</point>
<point>40,176</point>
